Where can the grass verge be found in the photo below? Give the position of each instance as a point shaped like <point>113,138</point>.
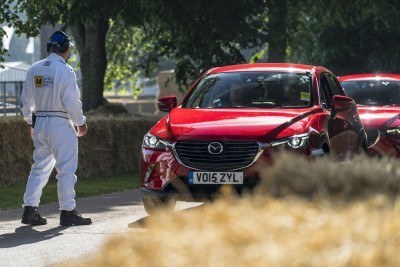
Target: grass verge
<point>304,213</point>
<point>11,196</point>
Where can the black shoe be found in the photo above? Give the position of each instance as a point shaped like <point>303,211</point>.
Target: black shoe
<point>31,216</point>
<point>68,218</point>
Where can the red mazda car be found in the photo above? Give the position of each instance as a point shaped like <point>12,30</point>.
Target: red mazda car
<point>234,117</point>
<point>378,100</point>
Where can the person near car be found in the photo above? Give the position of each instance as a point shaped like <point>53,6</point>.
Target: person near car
<point>51,107</point>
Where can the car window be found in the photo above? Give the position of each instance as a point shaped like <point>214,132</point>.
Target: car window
<point>373,92</point>
<point>335,86</point>
<point>325,92</point>
<point>252,89</point>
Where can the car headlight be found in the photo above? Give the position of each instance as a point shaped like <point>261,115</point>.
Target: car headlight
<point>151,141</point>
<point>298,141</point>
<point>393,131</point>
<point>295,141</point>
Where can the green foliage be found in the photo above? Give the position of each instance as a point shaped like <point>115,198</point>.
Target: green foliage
<point>259,55</point>
<point>347,37</point>
<point>199,35</point>
<point>355,36</point>
<point>87,20</point>
<point>128,54</point>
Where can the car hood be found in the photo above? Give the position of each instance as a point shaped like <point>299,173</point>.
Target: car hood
<point>378,117</point>
<point>240,124</point>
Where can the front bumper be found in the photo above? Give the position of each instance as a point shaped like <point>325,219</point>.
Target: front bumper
<point>180,189</point>
<point>163,176</point>
<point>385,146</point>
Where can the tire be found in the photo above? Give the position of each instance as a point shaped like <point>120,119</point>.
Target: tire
<point>362,149</point>
<point>153,205</point>
<point>322,149</point>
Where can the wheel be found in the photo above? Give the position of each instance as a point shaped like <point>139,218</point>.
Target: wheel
<point>362,149</point>
<point>153,205</point>
<point>322,151</point>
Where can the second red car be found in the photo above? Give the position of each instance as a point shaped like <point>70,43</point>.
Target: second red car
<point>378,99</point>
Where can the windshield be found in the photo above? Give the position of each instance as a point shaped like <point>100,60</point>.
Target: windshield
<point>373,92</point>
<point>251,89</point>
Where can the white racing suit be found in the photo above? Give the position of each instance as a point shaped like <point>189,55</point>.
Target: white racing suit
<point>51,92</point>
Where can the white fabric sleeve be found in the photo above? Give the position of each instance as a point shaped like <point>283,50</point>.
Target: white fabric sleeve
<point>27,100</point>
<point>70,95</point>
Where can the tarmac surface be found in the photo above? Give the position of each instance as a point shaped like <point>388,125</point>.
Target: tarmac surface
<point>22,245</point>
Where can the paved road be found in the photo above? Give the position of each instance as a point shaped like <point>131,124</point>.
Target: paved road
<point>22,245</point>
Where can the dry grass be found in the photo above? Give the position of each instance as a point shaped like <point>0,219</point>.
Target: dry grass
<point>112,146</point>
<point>304,213</point>
<point>358,178</point>
<point>15,150</point>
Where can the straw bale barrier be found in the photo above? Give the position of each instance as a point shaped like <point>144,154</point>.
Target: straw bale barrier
<point>318,213</point>
<point>112,146</point>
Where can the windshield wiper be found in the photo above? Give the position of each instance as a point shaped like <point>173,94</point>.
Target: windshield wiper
<point>238,106</point>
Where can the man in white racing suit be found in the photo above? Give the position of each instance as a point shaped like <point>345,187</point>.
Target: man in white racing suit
<point>51,107</point>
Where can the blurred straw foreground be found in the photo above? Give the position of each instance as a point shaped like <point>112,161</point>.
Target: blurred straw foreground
<point>318,213</point>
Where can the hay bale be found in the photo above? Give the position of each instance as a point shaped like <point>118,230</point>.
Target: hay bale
<point>326,214</point>
<point>262,231</point>
<point>112,146</point>
<point>363,176</point>
<point>15,150</point>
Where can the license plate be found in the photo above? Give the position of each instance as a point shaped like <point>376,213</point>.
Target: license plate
<point>215,177</point>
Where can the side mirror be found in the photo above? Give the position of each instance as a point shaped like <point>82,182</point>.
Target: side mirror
<point>341,103</point>
<point>167,103</point>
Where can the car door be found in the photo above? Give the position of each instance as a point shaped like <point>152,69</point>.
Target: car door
<point>338,124</point>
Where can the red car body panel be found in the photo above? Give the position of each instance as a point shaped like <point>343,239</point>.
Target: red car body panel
<point>370,76</point>
<point>265,126</point>
<point>378,118</point>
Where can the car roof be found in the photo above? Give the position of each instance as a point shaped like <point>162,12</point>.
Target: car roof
<point>289,67</point>
<point>370,76</point>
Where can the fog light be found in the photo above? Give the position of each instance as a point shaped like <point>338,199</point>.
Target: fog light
<point>393,131</point>
<point>149,171</point>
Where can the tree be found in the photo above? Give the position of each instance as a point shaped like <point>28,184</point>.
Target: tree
<point>196,34</point>
<point>277,30</point>
<point>347,37</point>
<point>199,35</point>
<point>88,21</point>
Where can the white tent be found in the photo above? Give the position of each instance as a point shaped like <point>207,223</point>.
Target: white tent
<point>13,71</point>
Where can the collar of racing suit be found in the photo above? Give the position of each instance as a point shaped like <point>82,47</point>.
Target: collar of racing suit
<point>54,56</point>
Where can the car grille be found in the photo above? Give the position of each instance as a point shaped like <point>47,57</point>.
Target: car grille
<point>372,136</point>
<point>236,155</point>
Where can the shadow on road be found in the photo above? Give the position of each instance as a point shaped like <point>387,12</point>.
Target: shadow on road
<point>142,223</point>
<point>88,205</point>
<point>28,235</point>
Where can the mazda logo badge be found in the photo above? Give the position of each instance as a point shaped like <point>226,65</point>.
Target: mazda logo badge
<point>215,148</point>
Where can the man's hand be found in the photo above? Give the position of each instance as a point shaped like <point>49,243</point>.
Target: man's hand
<point>82,130</point>
<point>31,131</point>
